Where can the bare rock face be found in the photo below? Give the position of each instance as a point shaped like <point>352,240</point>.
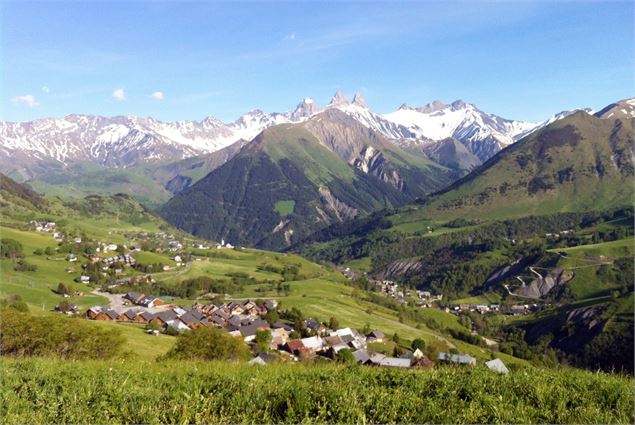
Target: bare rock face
<point>540,287</point>
<point>340,209</point>
<point>373,162</point>
<point>356,144</point>
<point>400,268</point>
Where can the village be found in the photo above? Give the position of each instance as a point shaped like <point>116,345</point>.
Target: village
<point>112,266</point>
<point>245,320</point>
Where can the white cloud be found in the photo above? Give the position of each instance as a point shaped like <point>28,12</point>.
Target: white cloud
<point>119,95</point>
<point>291,36</point>
<point>158,95</point>
<point>28,100</point>
<point>45,89</point>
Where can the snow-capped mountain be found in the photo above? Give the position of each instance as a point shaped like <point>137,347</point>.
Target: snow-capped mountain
<point>360,112</point>
<point>483,134</point>
<point>116,141</point>
<point>124,141</point>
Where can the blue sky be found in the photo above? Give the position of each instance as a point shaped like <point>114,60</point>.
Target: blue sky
<point>188,60</point>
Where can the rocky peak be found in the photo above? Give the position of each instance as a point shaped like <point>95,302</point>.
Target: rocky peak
<point>432,107</point>
<point>338,100</point>
<point>359,100</point>
<point>305,108</point>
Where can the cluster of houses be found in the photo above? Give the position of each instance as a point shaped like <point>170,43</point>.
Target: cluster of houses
<point>508,309</point>
<point>479,308</point>
<point>125,259</point>
<point>558,234</point>
<point>43,226</point>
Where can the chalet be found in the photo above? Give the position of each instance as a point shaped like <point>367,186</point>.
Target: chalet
<point>497,366</point>
<point>222,313</point>
<point>145,317</point>
<point>218,321</point>
<point>107,315</point>
<point>134,297</point>
<point>163,317</point>
<point>391,362</point>
<point>176,324</point>
<point>295,347</point>
<point>236,308</point>
<point>423,362</point>
<point>128,316</point>
<point>150,301</point>
<point>350,337</point>
<point>249,304</point>
<point>70,270</point>
<point>457,359</point>
<point>361,357</point>
<point>84,279</point>
<point>191,320</point>
<point>92,312</point>
<point>314,343</point>
<point>282,325</point>
<point>315,326</point>
<point>376,336</point>
<point>72,258</point>
<point>77,240</point>
<point>279,337</point>
<point>260,324</point>
<point>235,321</point>
<point>248,332</point>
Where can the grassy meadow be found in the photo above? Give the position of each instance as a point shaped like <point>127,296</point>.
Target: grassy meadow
<point>120,391</point>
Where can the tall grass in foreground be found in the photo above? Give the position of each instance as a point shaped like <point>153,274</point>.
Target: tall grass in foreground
<point>54,391</point>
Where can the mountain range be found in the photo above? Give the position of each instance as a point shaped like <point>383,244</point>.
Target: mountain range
<point>125,141</point>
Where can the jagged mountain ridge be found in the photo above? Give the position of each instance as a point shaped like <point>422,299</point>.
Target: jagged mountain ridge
<point>124,141</point>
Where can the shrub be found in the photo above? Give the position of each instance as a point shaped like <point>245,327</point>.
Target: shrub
<point>346,356</point>
<point>10,248</point>
<point>207,344</point>
<point>418,343</point>
<point>25,335</point>
<point>15,302</point>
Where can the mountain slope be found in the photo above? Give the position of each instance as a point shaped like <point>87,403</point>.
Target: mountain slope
<point>579,163</point>
<point>14,195</point>
<point>293,179</point>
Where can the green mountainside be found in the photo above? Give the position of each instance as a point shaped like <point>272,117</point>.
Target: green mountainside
<point>331,167</point>
<point>579,163</point>
<point>567,187</point>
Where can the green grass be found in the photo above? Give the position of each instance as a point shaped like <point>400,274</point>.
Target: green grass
<point>140,344</point>
<point>360,264</point>
<point>48,391</point>
<point>284,208</point>
<point>613,249</point>
<point>585,260</point>
<point>37,288</point>
<point>146,257</point>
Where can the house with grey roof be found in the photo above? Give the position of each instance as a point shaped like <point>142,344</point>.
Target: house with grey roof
<point>457,359</point>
